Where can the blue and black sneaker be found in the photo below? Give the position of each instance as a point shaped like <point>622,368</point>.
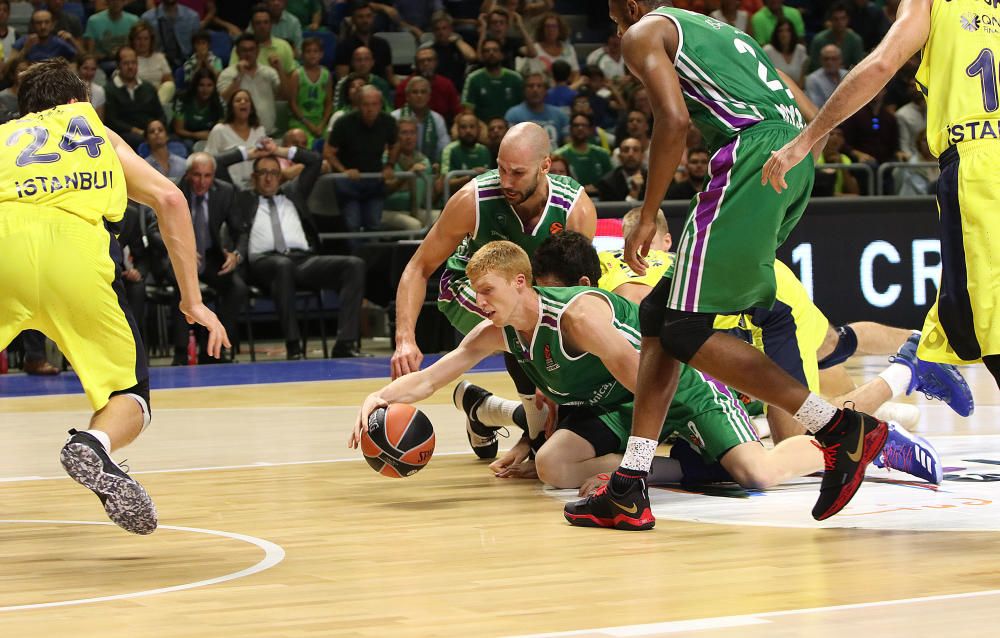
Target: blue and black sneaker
<point>939,381</point>
<point>910,453</point>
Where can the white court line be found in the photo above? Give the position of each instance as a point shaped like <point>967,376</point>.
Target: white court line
<point>721,622</point>
<point>273,554</point>
<point>179,470</point>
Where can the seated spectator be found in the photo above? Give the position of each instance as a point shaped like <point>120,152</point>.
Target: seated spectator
<point>271,50</point>
<point>8,97</point>
<point>357,145</point>
<point>282,246</point>
<point>587,162</point>
<point>432,131</point>
<point>609,57</point>
<point>918,181</point>
<point>492,89</point>
<point>262,82</point>
<point>636,127</point>
<point>160,157</point>
<point>290,170</point>
<point>153,66</point>
<point>589,102</point>
<point>552,44</point>
<point>86,68</point>
<point>872,131</point>
<point>41,43</point>
<point>8,35</point>
<point>729,11</point>
<point>175,25</point>
<point>534,109</point>
<point>132,103</point>
<point>453,53</point>
<point>361,34</point>
<point>444,96</point>
<point>912,119</point>
<point>311,90</point>
<point>496,128</point>
<point>284,24</point>
<point>495,25</point>
<point>821,83</point>
<point>362,63</point>
<point>348,94</point>
<point>696,169</point>
<point>762,22</point>
<point>199,109</point>
<point>834,182</point>
<point>627,182</point>
<point>213,203</point>
<point>64,24</point>
<point>786,53</point>
<point>201,57</point>
<point>241,129</point>
<point>308,12</point>
<point>582,104</point>
<point>561,94</point>
<point>107,31</point>
<point>465,153</point>
<point>637,101</point>
<point>559,166</point>
<point>852,49</point>
<point>405,196</point>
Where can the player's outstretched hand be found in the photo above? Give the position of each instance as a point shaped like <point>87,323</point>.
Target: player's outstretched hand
<point>200,314</point>
<point>781,162</point>
<point>637,245</point>
<point>372,403</point>
<point>406,359</point>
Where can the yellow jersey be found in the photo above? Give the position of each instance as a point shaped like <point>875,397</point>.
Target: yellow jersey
<point>62,159</point>
<point>958,72</point>
<point>615,272</point>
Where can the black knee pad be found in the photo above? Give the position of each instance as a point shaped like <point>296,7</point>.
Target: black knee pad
<point>139,392</point>
<point>847,344</point>
<point>684,333</point>
<point>522,381</point>
<point>652,308</point>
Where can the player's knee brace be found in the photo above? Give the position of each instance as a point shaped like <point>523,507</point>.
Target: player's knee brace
<point>847,344</point>
<point>140,393</point>
<point>684,333</point>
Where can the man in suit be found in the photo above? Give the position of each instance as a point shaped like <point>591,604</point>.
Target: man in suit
<point>212,202</point>
<point>282,244</point>
<point>627,182</point>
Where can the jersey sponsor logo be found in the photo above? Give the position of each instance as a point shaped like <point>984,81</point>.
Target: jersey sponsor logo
<point>53,183</point>
<point>555,227</point>
<point>550,363</point>
<point>602,392</point>
<point>977,130</point>
<point>970,22</point>
<point>974,22</point>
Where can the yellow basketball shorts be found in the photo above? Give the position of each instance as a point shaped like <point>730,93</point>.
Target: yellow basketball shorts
<point>962,326</point>
<point>61,275</point>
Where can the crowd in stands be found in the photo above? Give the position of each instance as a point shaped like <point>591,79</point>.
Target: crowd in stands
<point>428,87</point>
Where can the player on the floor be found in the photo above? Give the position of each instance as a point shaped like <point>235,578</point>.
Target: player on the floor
<point>64,185</point>
<point>569,259</point>
<point>699,70</point>
<point>521,202</point>
<point>958,76</point>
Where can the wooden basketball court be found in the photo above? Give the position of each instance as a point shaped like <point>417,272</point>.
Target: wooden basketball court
<point>270,526</point>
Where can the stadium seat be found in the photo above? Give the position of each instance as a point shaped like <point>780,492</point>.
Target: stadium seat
<point>76,8</point>
<point>20,16</point>
<point>323,198</point>
<point>403,46</point>
<point>329,45</point>
<point>221,45</point>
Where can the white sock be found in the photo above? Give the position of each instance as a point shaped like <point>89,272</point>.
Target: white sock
<point>639,454</point>
<point>496,411</point>
<point>815,412</point>
<point>898,377</point>
<point>103,438</point>
<point>535,417</point>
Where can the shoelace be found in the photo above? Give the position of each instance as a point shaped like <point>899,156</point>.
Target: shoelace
<point>124,467</point>
<point>829,454</point>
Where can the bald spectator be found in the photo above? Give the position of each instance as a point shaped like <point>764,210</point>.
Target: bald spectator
<point>41,43</point>
<point>363,65</point>
<point>131,103</point>
<point>852,48</point>
<point>360,34</point>
<point>357,144</point>
<point>453,53</point>
<point>821,83</point>
<point>271,50</point>
<point>492,89</point>
<point>465,153</point>
<point>263,83</point>
<point>627,182</point>
<point>432,132</point>
<point>444,95</point>
<point>534,109</point>
<point>764,20</point>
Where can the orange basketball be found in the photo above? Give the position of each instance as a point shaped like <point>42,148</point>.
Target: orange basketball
<point>398,441</point>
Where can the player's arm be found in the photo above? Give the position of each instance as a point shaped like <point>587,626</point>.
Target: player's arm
<point>457,220</point>
<point>906,36</point>
<point>148,186</point>
<point>807,107</point>
<point>583,216</point>
<point>586,327</point>
<point>644,48</point>
<point>481,342</point>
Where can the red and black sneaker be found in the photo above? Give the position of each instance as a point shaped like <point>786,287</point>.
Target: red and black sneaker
<point>849,445</point>
<point>629,511</point>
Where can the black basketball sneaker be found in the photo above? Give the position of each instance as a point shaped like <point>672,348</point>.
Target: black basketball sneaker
<point>126,502</point>
<point>849,445</point>
<point>483,438</point>
<point>628,511</point>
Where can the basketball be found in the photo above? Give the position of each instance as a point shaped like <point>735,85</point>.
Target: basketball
<point>398,441</point>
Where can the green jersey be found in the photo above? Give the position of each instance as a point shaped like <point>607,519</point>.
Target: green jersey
<point>568,379</point>
<point>729,83</point>
<point>588,167</point>
<point>491,96</point>
<point>496,220</point>
<point>311,97</point>
<point>456,157</point>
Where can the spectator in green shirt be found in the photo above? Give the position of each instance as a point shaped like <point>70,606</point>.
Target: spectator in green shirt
<point>852,48</point>
<point>465,153</point>
<point>587,162</point>
<point>492,89</point>
<point>107,31</point>
<point>762,23</point>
